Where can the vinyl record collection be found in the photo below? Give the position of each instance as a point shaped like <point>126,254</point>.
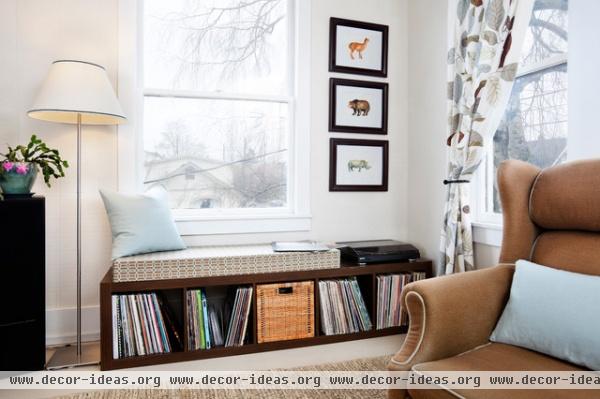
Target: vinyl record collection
<point>389,291</point>
<point>213,323</point>
<point>142,325</point>
<point>343,308</point>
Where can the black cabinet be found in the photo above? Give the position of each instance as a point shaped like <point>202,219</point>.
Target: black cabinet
<point>22,284</point>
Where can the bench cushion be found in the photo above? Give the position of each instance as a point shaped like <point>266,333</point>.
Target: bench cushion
<point>222,260</point>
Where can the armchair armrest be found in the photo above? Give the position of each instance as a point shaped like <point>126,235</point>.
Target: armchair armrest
<point>452,314</point>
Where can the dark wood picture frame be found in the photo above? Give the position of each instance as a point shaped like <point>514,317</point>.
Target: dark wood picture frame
<point>335,142</point>
<point>333,67</point>
<point>334,127</point>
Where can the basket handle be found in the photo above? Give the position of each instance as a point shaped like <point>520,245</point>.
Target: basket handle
<point>286,290</point>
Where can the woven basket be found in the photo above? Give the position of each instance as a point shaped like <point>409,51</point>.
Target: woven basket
<point>285,311</point>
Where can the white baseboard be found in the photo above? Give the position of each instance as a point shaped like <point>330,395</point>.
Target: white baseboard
<point>61,325</point>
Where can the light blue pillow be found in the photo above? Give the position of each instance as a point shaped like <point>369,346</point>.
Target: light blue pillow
<point>141,223</point>
<point>554,312</point>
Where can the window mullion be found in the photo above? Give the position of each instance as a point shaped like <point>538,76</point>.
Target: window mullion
<point>196,94</point>
<point>547,63</point>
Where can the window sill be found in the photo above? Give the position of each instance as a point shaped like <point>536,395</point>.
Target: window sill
<point>242,224</point>
<point>487,233</point>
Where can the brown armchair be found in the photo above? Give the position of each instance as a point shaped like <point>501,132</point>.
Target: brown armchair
<point>551,217</point>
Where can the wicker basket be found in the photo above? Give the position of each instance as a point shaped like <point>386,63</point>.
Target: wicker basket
<point>285,311</point>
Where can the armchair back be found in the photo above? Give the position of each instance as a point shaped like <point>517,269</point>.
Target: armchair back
<point>552,216</point>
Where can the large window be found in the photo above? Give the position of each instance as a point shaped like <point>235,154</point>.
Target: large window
<point>534,127</point>
<point>218,103</point>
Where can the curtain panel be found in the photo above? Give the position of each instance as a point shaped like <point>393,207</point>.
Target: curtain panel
<point>485,40</point>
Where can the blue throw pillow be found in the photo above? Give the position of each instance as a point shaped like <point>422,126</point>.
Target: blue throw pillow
<point>554,312</point>
<point>141,223</point>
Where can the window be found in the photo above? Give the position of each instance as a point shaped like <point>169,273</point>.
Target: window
<point>220,84</point>
<point>534,127</point>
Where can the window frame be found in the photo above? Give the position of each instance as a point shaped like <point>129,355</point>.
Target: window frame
<point>296,215</point>
<point>484,177</point>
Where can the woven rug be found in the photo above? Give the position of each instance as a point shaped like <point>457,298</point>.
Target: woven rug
<point>376,363</point>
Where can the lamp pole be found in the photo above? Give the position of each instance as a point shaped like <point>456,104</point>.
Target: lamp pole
<point>78,237</point>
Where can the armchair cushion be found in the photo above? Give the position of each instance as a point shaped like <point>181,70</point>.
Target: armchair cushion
<point>553,312</point>
<point>498,357</point>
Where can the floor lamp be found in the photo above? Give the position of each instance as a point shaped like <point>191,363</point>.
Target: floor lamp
<point>77,92</point>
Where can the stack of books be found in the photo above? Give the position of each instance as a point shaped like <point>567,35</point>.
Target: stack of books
<point>389,290</point>
<point>212,323</point>
<point>140,327</point>
<point>343,308</point>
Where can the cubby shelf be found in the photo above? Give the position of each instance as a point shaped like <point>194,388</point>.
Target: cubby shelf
<point>365,274</point>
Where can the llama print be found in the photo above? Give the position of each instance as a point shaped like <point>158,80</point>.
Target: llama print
<point>358,47</point>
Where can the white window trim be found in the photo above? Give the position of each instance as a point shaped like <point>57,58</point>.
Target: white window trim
<point>487,226</point>
<point>296,217</point>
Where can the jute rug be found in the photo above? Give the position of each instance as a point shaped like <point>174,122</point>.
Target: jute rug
<point>376,363</point>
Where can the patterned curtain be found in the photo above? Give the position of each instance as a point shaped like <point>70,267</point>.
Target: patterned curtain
<point>486,37</point>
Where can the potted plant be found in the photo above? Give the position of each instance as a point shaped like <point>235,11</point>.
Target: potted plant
<point>19,168</point>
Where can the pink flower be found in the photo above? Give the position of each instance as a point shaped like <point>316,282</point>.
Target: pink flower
<point>7,165</point>
<point>22,168</point>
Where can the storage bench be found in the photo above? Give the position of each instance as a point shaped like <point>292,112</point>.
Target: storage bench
<point>174,293</point>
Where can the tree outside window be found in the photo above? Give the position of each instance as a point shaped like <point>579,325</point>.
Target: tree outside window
<point>217,102</point>
<point>534,127</point>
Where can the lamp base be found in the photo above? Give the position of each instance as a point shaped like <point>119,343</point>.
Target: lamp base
<point>66,357</point>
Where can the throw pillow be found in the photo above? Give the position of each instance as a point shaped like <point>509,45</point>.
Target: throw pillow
<point>554,312</point>
<point>141,223</point>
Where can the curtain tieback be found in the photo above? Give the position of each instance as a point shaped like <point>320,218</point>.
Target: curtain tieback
<point>446,182</point>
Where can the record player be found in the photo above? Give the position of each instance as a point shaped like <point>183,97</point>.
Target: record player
<point>377,251</point>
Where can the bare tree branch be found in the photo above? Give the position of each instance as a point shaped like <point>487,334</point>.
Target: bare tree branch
<point>562,5</point>
<point>557,30</point>
<point>234,36</point>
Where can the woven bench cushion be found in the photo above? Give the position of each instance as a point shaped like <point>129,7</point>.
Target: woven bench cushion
<point>223,260</point>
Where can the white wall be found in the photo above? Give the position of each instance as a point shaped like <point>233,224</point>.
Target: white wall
<point>426,123</point>
<point>584,80</point>
<point>33,33</point>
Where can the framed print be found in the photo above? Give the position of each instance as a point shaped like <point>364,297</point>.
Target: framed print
<point>357,106</point>
<point>358,47</point>
<point>358,165</point>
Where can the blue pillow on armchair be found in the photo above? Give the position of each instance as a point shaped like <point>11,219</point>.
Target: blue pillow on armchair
<point>555,312</point>
<point>141,223</point>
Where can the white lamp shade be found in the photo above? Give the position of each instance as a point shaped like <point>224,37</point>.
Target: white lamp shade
<point>77,88</point>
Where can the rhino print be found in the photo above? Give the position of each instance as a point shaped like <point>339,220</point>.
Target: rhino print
<point>358,164</point>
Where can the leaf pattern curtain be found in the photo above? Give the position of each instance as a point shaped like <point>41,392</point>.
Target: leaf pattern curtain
<point>486,37</point>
